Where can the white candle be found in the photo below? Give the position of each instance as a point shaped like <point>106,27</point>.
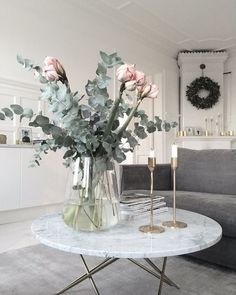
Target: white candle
<point>152,154</point>
<point>174,151</point>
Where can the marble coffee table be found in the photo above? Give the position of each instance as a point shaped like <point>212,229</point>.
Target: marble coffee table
<point>126,241</point>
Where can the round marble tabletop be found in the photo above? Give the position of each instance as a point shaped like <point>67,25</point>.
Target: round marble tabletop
<point>126,241</point>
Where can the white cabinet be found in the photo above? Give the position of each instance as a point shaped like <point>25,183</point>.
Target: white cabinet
<point>9,178</point>
<point>23,187</point>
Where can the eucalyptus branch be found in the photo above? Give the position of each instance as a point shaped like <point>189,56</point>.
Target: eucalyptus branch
<point>126,123</point>
<point>114,111</point>
<point>66,82</point>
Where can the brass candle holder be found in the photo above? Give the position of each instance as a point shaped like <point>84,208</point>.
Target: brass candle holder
<point>174,223</point>
<point>151,228</point>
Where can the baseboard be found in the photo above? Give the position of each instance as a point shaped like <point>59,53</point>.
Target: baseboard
<point>28,213</point>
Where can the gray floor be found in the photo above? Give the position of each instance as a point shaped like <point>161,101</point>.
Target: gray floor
<point>40,270</point>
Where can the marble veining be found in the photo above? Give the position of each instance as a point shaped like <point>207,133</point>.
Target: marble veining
<point>125,241</point>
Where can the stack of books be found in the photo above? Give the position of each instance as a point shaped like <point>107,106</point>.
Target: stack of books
<point>140,204</point>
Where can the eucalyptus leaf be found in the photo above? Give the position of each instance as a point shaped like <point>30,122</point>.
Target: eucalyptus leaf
<point>132,141</point>
<point>105,58</point>
<point>2,116</point>
<point>33,124</point>
<point>25,62</point>
<point>98,100</point>
<point>158,123</point>
<point>151,127</point>
<point>17,109</point>
<point>119,155</point>
<point>8,113</point>
<point>20,59</point>
<point>166,126</point>
<point>56,131</point>
<point>46,128</point>
<point>102,81</point>
<point>59,140</point>
<point>115,125</point>
<point>68,141</point>
<point>42,120</point>
<point>28,113</point>
<point>101,69</point>
<point>68,154</point>
<point>90,87</point>
<point>107,147</point>
<point>140,132</point>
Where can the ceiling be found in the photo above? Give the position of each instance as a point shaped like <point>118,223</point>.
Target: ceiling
<point>174,25</point>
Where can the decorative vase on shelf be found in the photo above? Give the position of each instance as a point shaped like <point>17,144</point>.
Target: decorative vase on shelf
<point>92,203</point>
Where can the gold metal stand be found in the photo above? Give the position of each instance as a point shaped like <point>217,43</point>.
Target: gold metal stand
<point>153,270</point>
<point>174,223</point>
<point>151,228</point>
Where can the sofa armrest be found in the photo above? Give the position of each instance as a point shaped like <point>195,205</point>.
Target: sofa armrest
<point>137,177</point>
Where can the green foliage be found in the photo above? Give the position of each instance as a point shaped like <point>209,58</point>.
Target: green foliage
<point>2,116</point>
<point>8,113</point>
<point>97,127</point>
<point>17,109</point>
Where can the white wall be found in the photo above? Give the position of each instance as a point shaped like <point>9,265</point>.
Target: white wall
<point>230,91</point>
<point>74,35</point>
<point>190,70</point>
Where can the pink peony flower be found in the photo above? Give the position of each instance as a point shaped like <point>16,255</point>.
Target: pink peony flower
<point>53,69</point>
<point>149,90</point>
<point>140,78</point>
<point>126,73</point>
<point>130,85</point>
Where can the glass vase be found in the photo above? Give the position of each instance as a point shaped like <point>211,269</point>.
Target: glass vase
<point>93,202</point>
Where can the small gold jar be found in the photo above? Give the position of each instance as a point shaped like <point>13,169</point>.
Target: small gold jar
<point>3,139</point>
<point>230,133</point>
<point>182,133</point>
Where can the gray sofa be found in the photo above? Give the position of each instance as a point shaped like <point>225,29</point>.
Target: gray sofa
<point>206,184</point>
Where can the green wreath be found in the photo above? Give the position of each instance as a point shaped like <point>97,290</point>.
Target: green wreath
<point>201,83</point>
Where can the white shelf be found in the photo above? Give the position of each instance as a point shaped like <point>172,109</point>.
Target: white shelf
<point>27,146</point>
<point>207,142</point>
<point>206,138</point>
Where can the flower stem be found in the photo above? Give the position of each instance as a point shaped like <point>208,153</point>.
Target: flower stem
<point>124,126</point>
<point>114,111</point>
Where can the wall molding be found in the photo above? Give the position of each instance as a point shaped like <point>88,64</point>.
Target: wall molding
<point>9,83</point>
<point>199,57</point>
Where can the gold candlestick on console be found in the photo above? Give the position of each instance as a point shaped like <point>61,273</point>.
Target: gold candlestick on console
<point>174,223</point>
<point>151,228</point>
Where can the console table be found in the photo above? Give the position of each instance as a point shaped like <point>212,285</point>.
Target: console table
<point>125,241</point>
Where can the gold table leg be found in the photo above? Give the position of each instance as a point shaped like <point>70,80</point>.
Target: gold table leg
<point>90,278</point>
<point>165,278</point>
<point>97,268</point>
<point>162,275</point>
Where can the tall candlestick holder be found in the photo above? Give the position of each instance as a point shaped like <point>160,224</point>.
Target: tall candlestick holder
<point>174,223</point>
<point>151,228</point>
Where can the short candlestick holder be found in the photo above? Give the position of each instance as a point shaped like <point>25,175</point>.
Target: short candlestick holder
<point>151,228</point>
<point>174,223</point>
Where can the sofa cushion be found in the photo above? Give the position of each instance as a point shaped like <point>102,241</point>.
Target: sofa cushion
<point>138,177</point>
<point>221,208</point>
<point>210,171</point>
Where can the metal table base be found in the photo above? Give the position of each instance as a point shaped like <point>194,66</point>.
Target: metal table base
<point>152,269</point>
